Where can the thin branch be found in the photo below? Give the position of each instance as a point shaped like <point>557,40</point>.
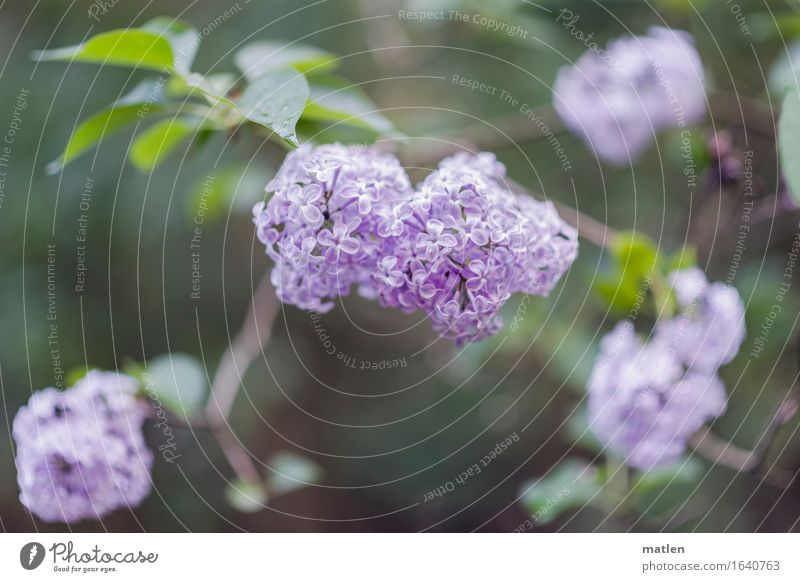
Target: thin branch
<point>243,350</point>
<point>720,451</point>
<point>245,347</point>
<point>782,416</point>
<point>238,458</point>
<point>751,461</point>
<point>592,230</point>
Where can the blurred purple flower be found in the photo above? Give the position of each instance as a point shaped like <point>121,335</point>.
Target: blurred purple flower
<point>80,452</point>
<point>618,100</point>
<point>646,400</point>
<point>710,328</point>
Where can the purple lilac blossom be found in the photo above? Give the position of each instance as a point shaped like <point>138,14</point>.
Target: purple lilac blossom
<point>710,328</point>
<point>80,452</point>
<point>617,99</point>
<point>646,400</point>
<point>463,243</point>
<point>643,404</point>
<point>320,226</point>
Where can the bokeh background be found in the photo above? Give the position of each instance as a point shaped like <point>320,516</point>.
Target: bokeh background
<point>382,437</point>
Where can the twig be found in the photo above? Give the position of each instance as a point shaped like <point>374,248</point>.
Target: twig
<point>722,452</point>
<point>238,458</point>
<point>783,415</point>
<point>245,347</point>
<point>592,230</point>
<point>751,461</point>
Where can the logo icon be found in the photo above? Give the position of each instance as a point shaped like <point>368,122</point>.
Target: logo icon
<point>31,555</point>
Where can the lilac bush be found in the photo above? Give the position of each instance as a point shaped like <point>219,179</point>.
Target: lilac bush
<point>452,249</point>
<point>463,243</point>
<point>618,100</point>
<point>80,452</point>
<point>320,226</point>
<point>646,399</point>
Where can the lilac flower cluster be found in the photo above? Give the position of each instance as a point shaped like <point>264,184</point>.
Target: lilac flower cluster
<point>646,400</point>
<point>463,243</point>
<point>80,452</point>
<point>456,248</point>
<point>639,86</point>
<point>320,226</point>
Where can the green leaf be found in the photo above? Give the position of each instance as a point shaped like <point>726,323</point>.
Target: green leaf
<point>214,88</point>
<point>635,253</point>
<point>179,381</point>
<point>162,44</point>
<point>657,492</point>
<point>686,472</point>
<point>246,496</point>
<point>153,145</point>
<point>684,258</point>
<point>183,39</point>
<point>636,261</point>
<point>768,26</point>
<point>570,485</point>
<point>577,429</point>
<point>94,130</point>
<point>261,57</point>
<point>126,47</point>
<point>291,472</point>
<point>785,71</point>
<point>621,291</point>
<point>76,374</point>
<point>339,103</point>
<point>144,100</point>
<point>789,142</point>
<point>276,101</point>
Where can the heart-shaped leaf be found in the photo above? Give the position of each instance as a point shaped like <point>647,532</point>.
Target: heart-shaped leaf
<point>336,102</point>
<point>276,101</point>
<point>246,496</point>
<point>570,485</point>
<point>179,381</point>
<point>183,39</point>
<point>290,472</point>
